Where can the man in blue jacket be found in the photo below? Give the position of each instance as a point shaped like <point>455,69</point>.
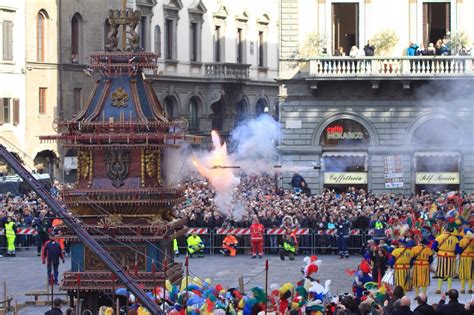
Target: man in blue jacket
<point>342,234</point>
<point>51,254</point>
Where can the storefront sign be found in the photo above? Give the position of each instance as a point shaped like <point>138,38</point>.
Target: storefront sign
<point>344,132</point>
<point>437,178</point>
<point>345,178</point>
<point>393,171</point>
<point>336,132</point>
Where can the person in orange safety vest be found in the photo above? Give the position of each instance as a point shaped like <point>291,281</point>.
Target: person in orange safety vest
<point>229,245</point>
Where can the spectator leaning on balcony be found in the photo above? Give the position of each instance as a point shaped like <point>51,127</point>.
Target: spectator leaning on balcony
<point>339,52</point>
<point>369,49</point>
<point>354,53</point>
<point>431,50</point>
<point>411,51</point>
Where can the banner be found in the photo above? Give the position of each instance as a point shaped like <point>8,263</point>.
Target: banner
<point>448,178</point>
<point>393,171</point>
<point>70,163</point>
<point>345,178</point>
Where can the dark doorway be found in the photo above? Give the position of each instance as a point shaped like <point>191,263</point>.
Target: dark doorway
<point>345,26</point>
<point>436,21</point>
<point>217,115</point>
<point>240,112</point>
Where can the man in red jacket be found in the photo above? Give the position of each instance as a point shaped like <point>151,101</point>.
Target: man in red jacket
<point>256,238</point>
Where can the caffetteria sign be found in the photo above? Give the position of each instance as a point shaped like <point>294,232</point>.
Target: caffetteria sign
<point>345,178</point>
<point>437,178</point>
<point>336,132</point>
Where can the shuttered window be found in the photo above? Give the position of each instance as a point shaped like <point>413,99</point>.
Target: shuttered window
<point>16,111</point>
<point>6,110</point>
<point>7,40</point>
<point>42,101</point>
<point>1,112</point>
<point>426,27</point>
<point>448,17</point>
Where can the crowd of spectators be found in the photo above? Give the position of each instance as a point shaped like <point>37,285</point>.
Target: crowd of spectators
<point>442,47</point>
<point>260,196</point>
<point>26,211</point>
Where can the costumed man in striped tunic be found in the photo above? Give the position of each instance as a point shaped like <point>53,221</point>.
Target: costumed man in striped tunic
<point>466,264</point>
<point>445,246</point>
<point>422,259</point>
<point>400,262</point>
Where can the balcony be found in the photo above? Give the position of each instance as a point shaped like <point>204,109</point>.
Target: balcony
<point>391,68</point>
<point>228,72</point>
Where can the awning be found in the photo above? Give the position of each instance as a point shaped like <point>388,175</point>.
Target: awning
<point>343,153</point>
<point>438,153</point>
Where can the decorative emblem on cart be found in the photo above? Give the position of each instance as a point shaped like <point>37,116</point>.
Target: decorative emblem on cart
<point>111,220</point>
<point>119,98</point>
<point>117,162</point>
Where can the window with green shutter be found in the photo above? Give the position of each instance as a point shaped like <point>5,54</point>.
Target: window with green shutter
<point>7,40</point>
<point>16,111</point>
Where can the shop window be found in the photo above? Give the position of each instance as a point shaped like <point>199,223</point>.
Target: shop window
<point>345,132</point>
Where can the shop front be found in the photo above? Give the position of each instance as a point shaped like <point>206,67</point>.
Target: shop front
<point>437,160</point>
<point>344,160</point>
<point>437,171</point>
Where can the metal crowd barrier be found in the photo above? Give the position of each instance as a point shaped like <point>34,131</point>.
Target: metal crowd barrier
<point>309,241</point>
<point>25,239</point>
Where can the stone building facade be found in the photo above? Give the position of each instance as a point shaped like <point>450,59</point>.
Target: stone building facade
<point>218,60</point>
<point>387,123</point>
<point>12,75</point>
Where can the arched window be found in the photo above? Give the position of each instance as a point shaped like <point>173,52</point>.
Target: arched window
<point>437,133</point>
<point>106,31</point>
<point>170,107</point>
<point>260,107</point>
<point>158,40</point>
<point>76,38</point>
<point>193,114</point>
<point>41,34</point>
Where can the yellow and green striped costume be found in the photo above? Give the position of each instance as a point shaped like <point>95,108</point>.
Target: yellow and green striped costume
<point>466,266</point>
<point>421,266</point>
<point>401,266</point>
<point>446,267</point>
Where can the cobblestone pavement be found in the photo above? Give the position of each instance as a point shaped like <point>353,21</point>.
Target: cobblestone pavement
<point>26,273</point>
